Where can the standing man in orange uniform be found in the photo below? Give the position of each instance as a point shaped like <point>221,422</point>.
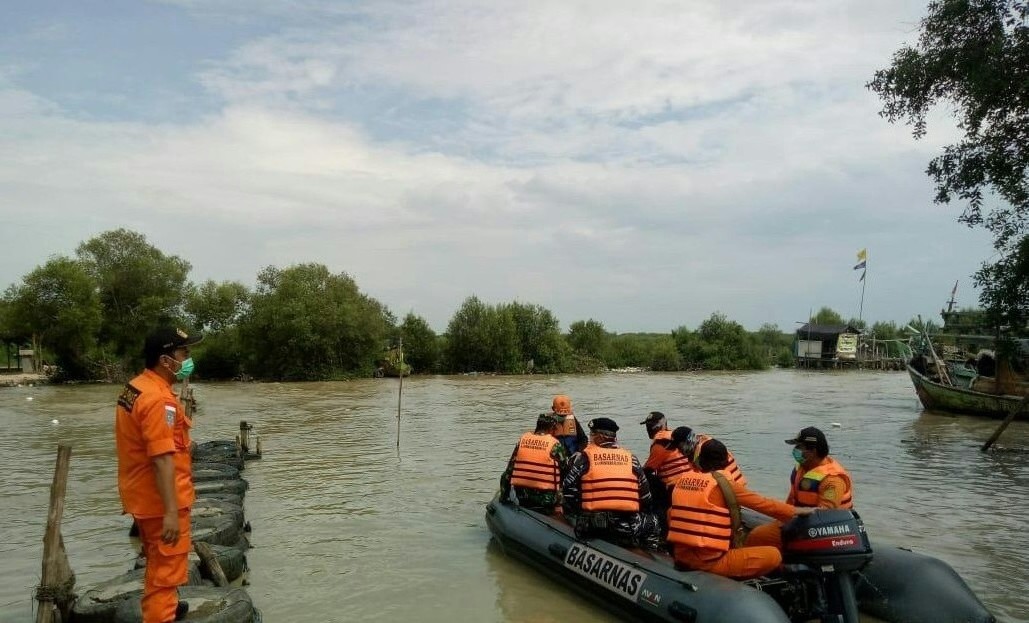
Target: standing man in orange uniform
<point>155,477</point>
<point>817,481</point>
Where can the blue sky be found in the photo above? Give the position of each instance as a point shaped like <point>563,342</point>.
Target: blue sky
<point>643,164</point>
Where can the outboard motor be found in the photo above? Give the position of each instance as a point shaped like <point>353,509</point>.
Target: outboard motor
<point>826,548</point>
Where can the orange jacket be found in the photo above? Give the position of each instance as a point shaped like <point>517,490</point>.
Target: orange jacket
<point>667,462</point>
<point>699,515</point>
<point>149,422</point>
<point>566,426</point>
<point>609,484</point>
<point>732,470</point>
<point>828,485</point>
<point>534,467</point>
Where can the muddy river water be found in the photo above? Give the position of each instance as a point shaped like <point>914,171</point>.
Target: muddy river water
<point>346,528</point>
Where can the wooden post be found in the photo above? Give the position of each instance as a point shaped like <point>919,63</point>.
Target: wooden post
<point>1000,429</point>
<point>207,557</point>
<point>400,394</point>
<point>54,590</point>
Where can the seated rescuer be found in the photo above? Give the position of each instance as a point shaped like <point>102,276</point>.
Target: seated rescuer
<point>605,487</point>
<point>535,469</point>
<point>666,460</point>
<point>704,526</point>
<point>817,481</point>
<point>569,432</point>
<point>692,447</point>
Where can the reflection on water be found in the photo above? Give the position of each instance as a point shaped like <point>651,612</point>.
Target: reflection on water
<point>345,528</point>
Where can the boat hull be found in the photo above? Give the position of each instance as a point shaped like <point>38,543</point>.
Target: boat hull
<point>897,586</point>
<point>938,397</point>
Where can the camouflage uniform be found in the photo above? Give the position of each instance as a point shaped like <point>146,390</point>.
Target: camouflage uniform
<point>534,499</point>
<point>627,528</point>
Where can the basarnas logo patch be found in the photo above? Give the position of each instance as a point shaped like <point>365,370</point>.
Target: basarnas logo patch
<point>169,415</point>
<point>609,572</point>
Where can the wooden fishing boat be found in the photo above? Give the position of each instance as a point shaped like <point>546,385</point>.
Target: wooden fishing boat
<point>939,396</point>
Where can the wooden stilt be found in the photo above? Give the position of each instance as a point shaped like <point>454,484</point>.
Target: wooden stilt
<point>54,592</point>
<point>208,558</point>
<point>1000,429</point>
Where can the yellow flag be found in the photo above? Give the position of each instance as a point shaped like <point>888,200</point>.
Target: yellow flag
<point>862,255</point>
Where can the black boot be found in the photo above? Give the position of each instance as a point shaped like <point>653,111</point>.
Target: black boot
<point>180,610</point>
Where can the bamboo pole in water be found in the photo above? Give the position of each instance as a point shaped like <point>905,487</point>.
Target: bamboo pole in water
<point>1000,429</point>
<point>54,591</point>
<point>400,394</point>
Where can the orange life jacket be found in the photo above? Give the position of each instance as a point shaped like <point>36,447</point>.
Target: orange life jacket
<point>566,426</point>
<point>610,484</point>
<point>675,463</point>
<point>805,485</point>
<point>699,515</point>
<point>732,470</point>
<point>534,468</point>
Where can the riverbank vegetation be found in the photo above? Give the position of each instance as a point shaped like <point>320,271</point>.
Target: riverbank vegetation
<point>88,314</point>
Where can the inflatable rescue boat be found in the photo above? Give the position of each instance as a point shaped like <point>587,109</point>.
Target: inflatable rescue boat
<point>830,572</point>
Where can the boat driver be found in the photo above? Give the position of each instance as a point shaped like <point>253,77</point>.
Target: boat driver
<point>817,481</point>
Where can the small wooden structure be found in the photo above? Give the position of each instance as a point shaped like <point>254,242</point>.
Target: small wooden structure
<point>825,346</point>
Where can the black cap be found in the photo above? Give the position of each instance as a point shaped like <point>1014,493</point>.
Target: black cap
<point>653,418</point>
<point>811,436</point>
<point>603,426</point>
<point>681,434</point>
<point>548,419</point>
<point>713,455</point>
<point>165,340</point>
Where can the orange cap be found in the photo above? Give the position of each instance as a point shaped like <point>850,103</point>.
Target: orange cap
<point>562,405</point>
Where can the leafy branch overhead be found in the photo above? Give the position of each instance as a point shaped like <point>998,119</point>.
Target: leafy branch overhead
<point>973,55</point>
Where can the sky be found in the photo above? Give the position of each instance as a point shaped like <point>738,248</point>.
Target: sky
<point>644,164</point>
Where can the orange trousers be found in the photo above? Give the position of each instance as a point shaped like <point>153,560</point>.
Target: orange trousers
<point>766,535</point>
<point>167,567</point>
<point>743,562</point>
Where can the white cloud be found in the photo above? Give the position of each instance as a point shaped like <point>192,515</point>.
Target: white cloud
<point>645,165</point>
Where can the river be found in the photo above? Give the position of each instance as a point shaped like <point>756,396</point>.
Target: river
<point>346,528</point>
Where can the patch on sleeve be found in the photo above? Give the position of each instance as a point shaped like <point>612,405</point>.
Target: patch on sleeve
<point>169,415</point>
<point>128,396</point>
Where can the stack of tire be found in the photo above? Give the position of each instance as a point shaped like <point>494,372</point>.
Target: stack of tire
<point>217,520</point>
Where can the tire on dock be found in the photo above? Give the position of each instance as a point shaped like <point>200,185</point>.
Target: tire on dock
<point>98,603</point>
<point>207,604</point>
<point>214,471</point>
<point>205,508</point>
<point>221,529</point>
<point>214,496</point>
<point>237,486</point>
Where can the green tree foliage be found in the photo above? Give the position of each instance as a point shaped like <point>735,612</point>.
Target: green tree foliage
<point>776,345</point>
<point>57,305</point>
<point>421,345</point>
<point>827,316</point>
<point>306,323</point>
<point>973,55</point>
<point>883,330</point>
<point>139,287</point>
<point>509,338</point>
<point>665,356</point>
<point>588,337</point>
<point>719,344</point>
<point>858,323</point>
<point>216,306</point>
<point>467,344</point>
<point>539,337</point>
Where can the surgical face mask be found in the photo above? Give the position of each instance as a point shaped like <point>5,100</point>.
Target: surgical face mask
<point>798,455</point>
<point>185,369</point>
